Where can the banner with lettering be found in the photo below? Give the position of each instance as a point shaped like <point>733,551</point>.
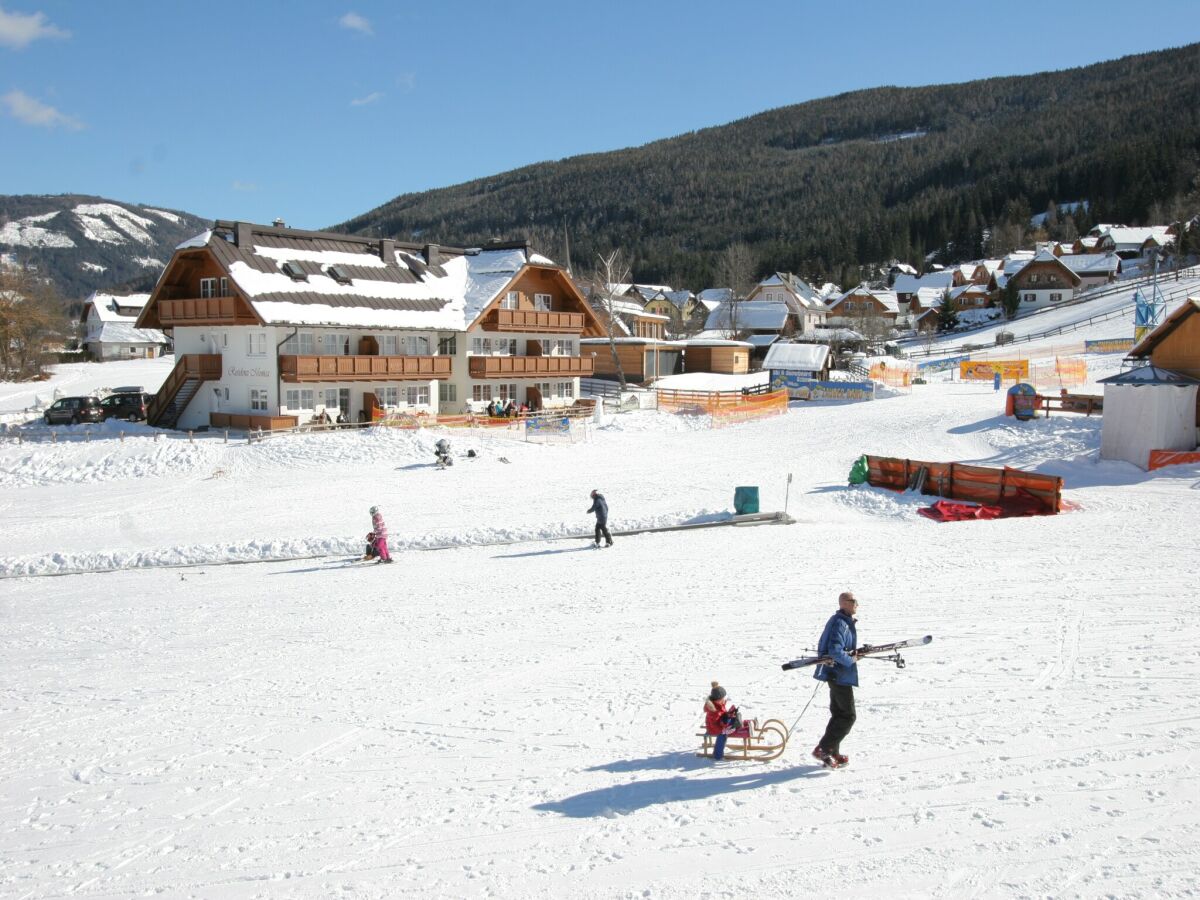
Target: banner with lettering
<point>802,388</point>
<point>1108,345</point>
<point>986,370</point>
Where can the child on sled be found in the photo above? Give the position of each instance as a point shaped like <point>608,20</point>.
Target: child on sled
<point>722,719</point>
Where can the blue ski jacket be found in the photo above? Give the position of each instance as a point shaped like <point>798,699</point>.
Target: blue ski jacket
<point>838,640</point>
<point>600,508</point>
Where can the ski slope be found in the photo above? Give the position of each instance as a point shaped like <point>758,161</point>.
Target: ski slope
<point>519,719</point>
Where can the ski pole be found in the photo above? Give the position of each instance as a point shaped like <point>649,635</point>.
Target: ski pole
<point>803,711</point>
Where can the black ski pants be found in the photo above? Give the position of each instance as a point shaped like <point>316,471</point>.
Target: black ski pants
<point>841,717</point>
<point>602,529</point>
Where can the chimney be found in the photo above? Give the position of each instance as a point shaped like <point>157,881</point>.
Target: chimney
<point>241,234</point>
<point>279,223</point>
<point>387,251</point>
<point>433,255</point>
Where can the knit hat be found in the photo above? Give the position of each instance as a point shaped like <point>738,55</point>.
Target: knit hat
<point>373,510</point>
<point>718,692</point>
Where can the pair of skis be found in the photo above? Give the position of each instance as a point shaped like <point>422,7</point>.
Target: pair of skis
<point>889,652</point>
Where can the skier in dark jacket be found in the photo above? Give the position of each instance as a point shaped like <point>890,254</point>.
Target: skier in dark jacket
<point>600,508</point>
<point>839,641</point>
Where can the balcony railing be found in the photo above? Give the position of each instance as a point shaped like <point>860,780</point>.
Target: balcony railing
<point>294,368</point>
<point>201,311</point>
<point>529,366</point>
<point>533,321</point>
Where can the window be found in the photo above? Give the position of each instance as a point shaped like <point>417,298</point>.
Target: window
<point>541,302</point>
<point>339,274</point>
<point>504,347</point>
<point>448,346</point>
<point>544,390</point>
<point>508,392</point>
<point>481,393</point>
<point>510,301</point>
<point>331,398</point>
<point>390,345</point>
<point>447,393</point>
<point>388,397</point>
<point>418,395</point>
<point>481,346</point>
<point>566,389</point>
<point>290,346</point>
<point>1029,298</point>
<point>208,287</point>
<point>293,271</point>
<point>300,399</point>
<point>257,343</point>
<point>307,345</point>
<point>224,286</point>
<point>1055,298</point>
<point>416,345</point>
<point>258,399</point>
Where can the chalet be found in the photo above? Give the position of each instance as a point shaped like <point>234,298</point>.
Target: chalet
<point>1086,244</point>
<point>1045,280</point>
<point>706,301</point>
<point>110,328</point>
<point>862,303</point>
<point>926,299</point>
<point>1093,268</point>
<point>1134,243</point>
<point>630,318</point>
<point>804,303</point>
<point>906,286</point>
<point>672,305</point>
<point>273,325</point>
<point>969,296</point>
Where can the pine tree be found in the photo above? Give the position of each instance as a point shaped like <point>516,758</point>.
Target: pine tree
<point>947,314</point>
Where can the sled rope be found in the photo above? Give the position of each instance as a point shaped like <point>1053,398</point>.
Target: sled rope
<point>803,711</point>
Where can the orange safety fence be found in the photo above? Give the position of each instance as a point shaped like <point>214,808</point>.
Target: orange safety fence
<point>703,401</point>
<point>1160,458</point>
<point>1059,373</point>
<point>894,376</point>
<point>754,406</point>
<point>959,481</point>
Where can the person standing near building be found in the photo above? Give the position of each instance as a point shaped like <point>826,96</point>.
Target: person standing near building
<point>839,641</point>
<point>600,508</point>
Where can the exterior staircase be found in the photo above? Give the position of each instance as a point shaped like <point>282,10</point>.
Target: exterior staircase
<point>190,372</point>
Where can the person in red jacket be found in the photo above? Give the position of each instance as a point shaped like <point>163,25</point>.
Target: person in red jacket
<point>717,719</point>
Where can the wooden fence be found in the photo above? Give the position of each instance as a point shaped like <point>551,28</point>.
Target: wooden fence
<point>959,481</point>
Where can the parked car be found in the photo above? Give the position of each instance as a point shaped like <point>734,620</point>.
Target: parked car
<point>73,410</point>
<point>126,406</point>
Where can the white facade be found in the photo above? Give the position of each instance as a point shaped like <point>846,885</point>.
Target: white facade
<point>1039,298</point>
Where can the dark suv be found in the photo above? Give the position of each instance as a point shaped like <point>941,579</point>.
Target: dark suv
<point>130,406</point>
<point>73,410</point>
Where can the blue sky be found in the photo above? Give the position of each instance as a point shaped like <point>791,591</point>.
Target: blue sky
<point>318,111</point>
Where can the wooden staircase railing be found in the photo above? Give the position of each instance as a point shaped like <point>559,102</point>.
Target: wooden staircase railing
<point>191,370</point>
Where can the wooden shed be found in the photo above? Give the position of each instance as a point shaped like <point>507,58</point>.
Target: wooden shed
<point>725,357</point>
<point>642,359</point>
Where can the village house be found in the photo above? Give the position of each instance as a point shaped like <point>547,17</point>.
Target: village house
<point>862,304</point>
<point>969,296</point>
<point>906,286</point>
<point>804,303</point>
<point>1134,243</point>
<point>110,328</point>
<point>1045,280</point>
<point>273,326</point>
<point>673,305</point>
<point>1093,269</point>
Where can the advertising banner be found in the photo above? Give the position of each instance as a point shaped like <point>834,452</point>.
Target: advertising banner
<point>942,365</point>
<point>1108,345</point>
<point>985,370</point>
<point>801,388</point>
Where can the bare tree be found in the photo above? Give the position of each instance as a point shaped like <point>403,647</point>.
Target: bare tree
<point>610,270</point>
<point>735,270</point>
<point>30,314</point>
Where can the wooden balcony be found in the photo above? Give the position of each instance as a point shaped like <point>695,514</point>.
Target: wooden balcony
<point>533,321</point>
<point>202,311</point>
<point>294,369</point>
<point>529,366</point>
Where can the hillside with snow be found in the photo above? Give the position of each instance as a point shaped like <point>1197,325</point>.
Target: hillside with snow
<point>90,243</point>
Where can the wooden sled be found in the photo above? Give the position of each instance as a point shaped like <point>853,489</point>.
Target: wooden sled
<point>758,742</point>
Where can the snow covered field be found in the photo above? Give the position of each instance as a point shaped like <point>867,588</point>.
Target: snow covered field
<point>519,719</point>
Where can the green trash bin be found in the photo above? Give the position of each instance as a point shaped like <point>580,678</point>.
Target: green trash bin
<point>745,500</point>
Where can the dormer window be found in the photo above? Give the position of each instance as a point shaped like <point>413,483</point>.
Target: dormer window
<point>339,274</point>
<point>293,271</point>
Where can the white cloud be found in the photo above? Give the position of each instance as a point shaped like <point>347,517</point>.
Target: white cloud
<point>245,186</point>
<point>33,112</point>
<point>18,30</point>
<point>370,98</point>
<point>355,22</point>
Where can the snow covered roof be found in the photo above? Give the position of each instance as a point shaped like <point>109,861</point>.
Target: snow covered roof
<point>762,340</point>
<point>1150,375</point>
<point>714,297</point>
<point>701,340</point>
<point>1092,263</point>
<point>287,276</point>
<point>114,307</point>
<point>678,298</point>
<point>1124,238</point>
<point>125,333</point>
<point>957,292</point>
<point>910,284</point>
<point>751,315</point>
<point>797,357</point>
<point>887,298</point>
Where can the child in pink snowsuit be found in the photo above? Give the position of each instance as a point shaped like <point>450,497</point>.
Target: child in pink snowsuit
<point>379,528</point>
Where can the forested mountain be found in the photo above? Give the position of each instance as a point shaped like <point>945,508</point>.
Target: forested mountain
<point>821,187</point>
<point>87,243</point>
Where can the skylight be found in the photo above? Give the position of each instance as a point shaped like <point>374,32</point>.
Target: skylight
<point>293,271</point>
<point>339,274</point>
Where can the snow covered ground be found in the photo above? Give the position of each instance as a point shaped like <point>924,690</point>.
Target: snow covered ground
<point>519,719</point>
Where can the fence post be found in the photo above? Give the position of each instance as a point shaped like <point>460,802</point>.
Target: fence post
<point>156,436</point>
<point>87,435</point>
<point>227,435</point>
<point>121,435</point>
<point>190,441</point>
